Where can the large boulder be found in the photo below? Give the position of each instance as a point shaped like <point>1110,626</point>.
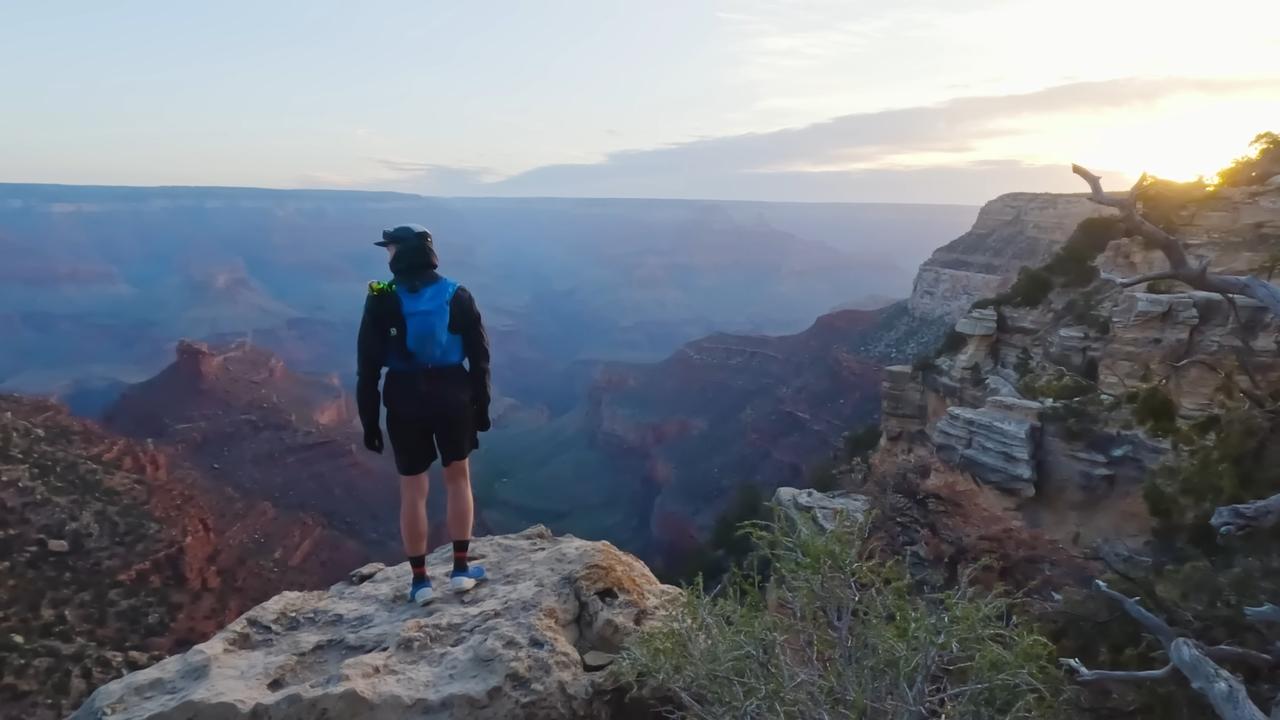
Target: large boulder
<point>828,510</point>
<point>517,647</point>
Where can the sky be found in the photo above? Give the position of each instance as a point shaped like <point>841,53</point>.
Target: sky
<point>950,101</point>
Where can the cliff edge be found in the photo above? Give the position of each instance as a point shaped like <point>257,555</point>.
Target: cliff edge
<point>529,645</point>
<point>1057,396</point>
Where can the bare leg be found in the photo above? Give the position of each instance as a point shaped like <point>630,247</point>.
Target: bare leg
<point>457,482</point>
<point>413,514</point>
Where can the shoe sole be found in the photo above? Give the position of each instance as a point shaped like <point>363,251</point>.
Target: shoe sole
<point>470,584</point>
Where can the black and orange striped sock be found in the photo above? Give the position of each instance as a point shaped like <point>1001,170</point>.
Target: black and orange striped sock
<point>460,548</point>
<point>418,563</point>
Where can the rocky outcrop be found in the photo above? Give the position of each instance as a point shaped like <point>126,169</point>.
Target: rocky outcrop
<point>998,447</point>
<point>1165,336</point>
<point>826,509</point>
<point>1034,401</point>
<point>527,646</point>
<point>1012,231</point>
<point>902,408</point>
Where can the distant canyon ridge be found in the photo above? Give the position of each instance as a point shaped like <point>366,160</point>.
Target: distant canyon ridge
<point>100,282</point>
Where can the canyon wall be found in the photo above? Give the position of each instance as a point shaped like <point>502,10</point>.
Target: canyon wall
<point>1034,401</point>
<point>1011,231</point>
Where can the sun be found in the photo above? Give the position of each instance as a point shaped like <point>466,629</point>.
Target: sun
<point>1181,141</point>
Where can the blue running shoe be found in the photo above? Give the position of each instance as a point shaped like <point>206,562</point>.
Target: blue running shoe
<point>420,593</point>
<point>466,579</point>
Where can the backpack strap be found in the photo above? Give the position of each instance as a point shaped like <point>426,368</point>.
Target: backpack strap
<point>379,287</point>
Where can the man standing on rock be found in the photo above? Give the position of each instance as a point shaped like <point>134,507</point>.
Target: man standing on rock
<point>422,326</point>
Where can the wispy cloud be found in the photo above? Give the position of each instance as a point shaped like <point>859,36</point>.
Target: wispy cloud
<point>945,152</point>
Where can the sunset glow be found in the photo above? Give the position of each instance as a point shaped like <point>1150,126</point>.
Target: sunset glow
<point>751,99</point>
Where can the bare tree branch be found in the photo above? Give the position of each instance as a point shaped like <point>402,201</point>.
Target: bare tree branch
<point>1238,519</point>
<point>1252,396</point>
<point>1084,674</point>
<point>1162,275</point>
<point>1180,268</point>
<point>1223,690</point>
<point>1154,626</point>
<point>1231,653</point>
<point>1263,613</point>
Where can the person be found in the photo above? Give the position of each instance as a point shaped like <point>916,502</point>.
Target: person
<point>421,327</point>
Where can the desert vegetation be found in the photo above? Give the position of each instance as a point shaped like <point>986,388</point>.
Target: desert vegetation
<point>73,524</point>
<point>821,624</point>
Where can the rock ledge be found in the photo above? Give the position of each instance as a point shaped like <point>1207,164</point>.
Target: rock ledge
<point>513,648</point>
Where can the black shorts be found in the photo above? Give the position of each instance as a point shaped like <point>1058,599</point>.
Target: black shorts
<point>429,418</point>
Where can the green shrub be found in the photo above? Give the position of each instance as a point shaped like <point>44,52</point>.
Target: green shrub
<point>1154,410</point>
<point>1163,201</point>
<point>840,633</point>
<point>1255,168</point>
<point>1222,459</point>
<point>861,443</point>
<point>1030,289</point>
<point>728,545</point>
<point>1197,580</point>
<point>1024,365</point>
<point>1162,287</point>
<point>1073,263</point>
<point>1079,418</point>
<point>1099,324</point>
<point>951,343</point>
<point>1057,385</point>
<point>823,477</point>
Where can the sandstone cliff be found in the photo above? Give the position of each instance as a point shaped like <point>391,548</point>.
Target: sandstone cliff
<point>1011,231</point>
<point>1034,397</point>
<point>530,645</point>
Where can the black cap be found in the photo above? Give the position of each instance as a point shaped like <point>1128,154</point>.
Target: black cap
<point>401,234</point>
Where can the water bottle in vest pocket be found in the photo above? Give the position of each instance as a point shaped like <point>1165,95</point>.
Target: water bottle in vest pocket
<point>426,323</point>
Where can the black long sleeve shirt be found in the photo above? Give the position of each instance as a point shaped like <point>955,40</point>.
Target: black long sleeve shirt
<point>382,314</point>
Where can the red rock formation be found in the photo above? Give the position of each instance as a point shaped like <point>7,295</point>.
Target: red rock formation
<point>675,439</point>
<point>117,553</point>
<point>288,439</point>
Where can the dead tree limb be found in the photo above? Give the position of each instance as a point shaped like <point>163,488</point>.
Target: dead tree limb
<point>1180,267</point>
<point>1245,656</point>
<point>1223,690</point>
<point>1263,613</point>
<point>1084,674</point>
<point>1256,515</point>
<point>1253,396</point>
<point>1154,626</point>
<point>1162,275</point>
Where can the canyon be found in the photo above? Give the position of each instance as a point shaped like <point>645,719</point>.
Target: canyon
<point>1006,409</point>
<point>127,272</point>
<point>678,438</point>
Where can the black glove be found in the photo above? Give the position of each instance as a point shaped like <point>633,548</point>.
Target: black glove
<point>373,439</point>
<point>483,423</point>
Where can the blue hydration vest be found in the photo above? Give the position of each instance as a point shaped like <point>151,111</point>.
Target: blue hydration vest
<point>426,324</point>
